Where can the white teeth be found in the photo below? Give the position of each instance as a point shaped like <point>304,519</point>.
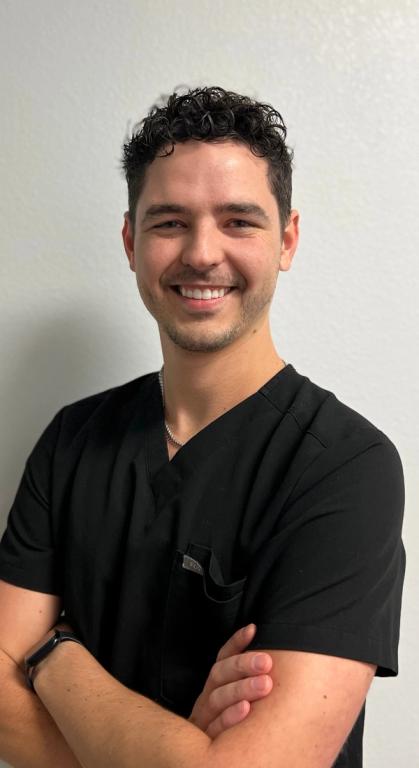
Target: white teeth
<point>207,293</point>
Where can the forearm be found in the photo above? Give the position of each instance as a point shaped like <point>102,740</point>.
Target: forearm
<point>29,738</point>
<point>107,724</point>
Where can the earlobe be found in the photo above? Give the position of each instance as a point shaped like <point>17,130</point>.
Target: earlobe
<point>128,240</point>
<point>285,260</point>
<point>289,241</point>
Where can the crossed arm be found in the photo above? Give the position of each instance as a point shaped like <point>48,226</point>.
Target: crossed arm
<point>304,721</point>
<point>30,738</point>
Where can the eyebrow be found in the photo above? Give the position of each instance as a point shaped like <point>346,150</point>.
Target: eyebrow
<point>247,208</point>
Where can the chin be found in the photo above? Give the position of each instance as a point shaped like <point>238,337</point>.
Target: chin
<point>201,342</point>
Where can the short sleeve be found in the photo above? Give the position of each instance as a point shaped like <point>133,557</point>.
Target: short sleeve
<point>330,579</point>
<point>27,552</point>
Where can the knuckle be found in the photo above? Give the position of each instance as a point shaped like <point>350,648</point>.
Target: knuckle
<point>213,701</point>
<point>240,663</point>
<point>240,690</point>
<point>247,657</point>
<point>244,664</point>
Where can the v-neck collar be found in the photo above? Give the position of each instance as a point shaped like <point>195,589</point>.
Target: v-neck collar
<point>164,473</point>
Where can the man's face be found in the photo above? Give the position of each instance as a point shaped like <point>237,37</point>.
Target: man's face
<point>187,239</point>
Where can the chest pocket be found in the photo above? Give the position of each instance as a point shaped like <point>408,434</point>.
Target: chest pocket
<point>200,616</point>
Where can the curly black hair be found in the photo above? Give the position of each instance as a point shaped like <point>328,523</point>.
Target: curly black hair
<point>208,114</point>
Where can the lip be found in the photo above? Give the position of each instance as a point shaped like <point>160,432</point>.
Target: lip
<point>200,305</point>
<point>201,286</point>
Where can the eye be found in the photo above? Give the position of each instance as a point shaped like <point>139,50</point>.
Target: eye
<point>167,224</point>
<point>242,222</point>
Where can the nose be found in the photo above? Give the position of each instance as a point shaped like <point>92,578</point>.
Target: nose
<point>202,249</point>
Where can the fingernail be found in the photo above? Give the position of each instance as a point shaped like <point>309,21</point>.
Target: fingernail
<point>259,662</point>
<point>247,629</point>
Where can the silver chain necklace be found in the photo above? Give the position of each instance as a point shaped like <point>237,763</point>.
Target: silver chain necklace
<point>167,428</point>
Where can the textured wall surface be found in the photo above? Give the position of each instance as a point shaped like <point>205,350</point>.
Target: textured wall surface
<point>75,76</point>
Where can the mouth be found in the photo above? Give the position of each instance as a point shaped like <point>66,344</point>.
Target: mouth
<point>202,298</point>
<point>204,293</point>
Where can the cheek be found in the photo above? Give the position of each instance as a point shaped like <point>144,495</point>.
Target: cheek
<point>254,271</point>
<point>148,267</point>
<point>147,294</point>
<point>255,261</point>
<point>153,258</point>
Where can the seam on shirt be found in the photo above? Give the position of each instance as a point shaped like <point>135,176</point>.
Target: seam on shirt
<point>291,413</point>
<point>330,472</point>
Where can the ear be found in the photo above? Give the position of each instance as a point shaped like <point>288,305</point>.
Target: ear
<point>128,240</point>
<point>289,241</point>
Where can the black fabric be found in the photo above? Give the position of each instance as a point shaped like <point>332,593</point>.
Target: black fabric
<point>285,511</point>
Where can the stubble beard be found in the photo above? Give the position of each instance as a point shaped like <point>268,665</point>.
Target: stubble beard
<point>202,339</point>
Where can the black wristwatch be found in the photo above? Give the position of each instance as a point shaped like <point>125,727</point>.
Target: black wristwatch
<point>43,650</point>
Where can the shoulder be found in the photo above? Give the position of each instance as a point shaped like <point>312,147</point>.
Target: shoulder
<point>327,437</point>
<point>113,398</point>
<point>320,414</point>
<point>108,410</point>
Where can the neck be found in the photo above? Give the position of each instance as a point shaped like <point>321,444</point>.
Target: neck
<point>200,387</point>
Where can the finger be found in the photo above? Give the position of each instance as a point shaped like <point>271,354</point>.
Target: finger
<point>252,689</point>
<point>237,642</point>
<point>231,716</point>
<point>215,701</point>
<point>238,667</point>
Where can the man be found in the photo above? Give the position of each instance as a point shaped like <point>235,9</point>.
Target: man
<point>226,488</point>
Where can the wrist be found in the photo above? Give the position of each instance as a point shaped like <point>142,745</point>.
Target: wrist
<point>40,654</point>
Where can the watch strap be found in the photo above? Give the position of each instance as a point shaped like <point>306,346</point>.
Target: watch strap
<point>59,636</point>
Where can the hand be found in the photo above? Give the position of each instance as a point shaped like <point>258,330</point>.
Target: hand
<point>229,689</point>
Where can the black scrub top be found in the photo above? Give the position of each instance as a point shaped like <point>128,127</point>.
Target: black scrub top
<point>285,511</point>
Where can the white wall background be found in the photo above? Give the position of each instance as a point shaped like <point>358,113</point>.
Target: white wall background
<point>344,76</point>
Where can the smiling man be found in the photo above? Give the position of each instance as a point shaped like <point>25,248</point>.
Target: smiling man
<point>223,489</point>
<point>213,266</point>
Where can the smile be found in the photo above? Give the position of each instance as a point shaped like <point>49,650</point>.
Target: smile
<point>205,293</point>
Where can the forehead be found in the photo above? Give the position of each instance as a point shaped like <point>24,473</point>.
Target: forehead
<point>207,171</point>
